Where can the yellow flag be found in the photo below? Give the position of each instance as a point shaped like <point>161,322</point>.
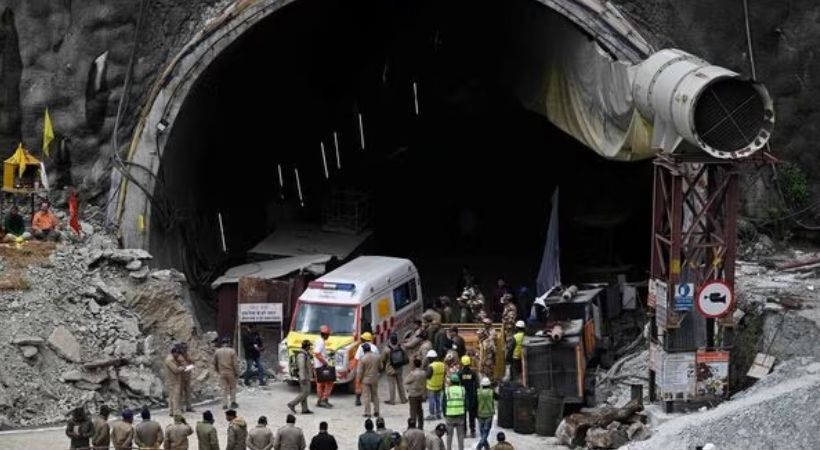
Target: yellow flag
<point>20,159</point>
<point>48,133</point>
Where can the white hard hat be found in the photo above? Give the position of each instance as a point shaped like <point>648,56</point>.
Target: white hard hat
<point>520,324</point>
<point>431,354</point>
<point>485,382</point>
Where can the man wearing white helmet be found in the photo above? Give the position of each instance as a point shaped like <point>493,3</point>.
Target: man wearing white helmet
<point>435,385</point>
<point>486,411</point>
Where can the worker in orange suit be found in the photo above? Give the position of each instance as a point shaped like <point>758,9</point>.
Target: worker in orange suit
<point>325,377</point>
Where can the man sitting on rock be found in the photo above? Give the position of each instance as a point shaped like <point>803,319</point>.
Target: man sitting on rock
<point>45,225</point>
<point>15,227</point>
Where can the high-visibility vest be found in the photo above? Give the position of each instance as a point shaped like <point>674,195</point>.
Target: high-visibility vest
<point>486,403</point>
<point>519,345</point>
<point>436,381</point>
<point>455,401</point>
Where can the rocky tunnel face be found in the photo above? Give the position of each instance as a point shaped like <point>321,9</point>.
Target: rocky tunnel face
<point>456,171</point>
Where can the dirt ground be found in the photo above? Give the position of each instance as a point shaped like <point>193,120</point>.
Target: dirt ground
<point>345,421</point>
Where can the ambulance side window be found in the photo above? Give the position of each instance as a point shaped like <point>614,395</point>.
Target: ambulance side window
<point>367,318</point>
<point>405,294</point>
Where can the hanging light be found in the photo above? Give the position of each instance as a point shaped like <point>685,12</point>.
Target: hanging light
<point>336,144</point>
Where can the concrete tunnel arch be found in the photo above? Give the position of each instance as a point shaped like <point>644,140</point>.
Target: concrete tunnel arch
<point>133,211</point>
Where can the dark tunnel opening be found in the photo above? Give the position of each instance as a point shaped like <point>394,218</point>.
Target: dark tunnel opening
<point>467,181</point>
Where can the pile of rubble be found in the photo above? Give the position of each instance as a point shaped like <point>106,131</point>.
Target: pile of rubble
<point>92,328</point>
<point>605,427</point>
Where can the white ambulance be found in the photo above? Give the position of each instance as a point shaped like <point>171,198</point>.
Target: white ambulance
<point>377,294</point>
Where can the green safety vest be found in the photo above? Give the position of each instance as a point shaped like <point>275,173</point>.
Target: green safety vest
<point>486,403</point>
<point>455,401</point>
<point>519,345</point>
<point>436,381</point>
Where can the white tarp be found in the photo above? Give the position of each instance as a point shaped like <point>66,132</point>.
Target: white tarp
<point>272,269</point>
<point>309,239</point>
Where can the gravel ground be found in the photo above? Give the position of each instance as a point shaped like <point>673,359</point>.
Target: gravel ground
<point>345,421</point>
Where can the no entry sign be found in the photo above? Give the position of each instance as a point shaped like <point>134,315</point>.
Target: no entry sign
<point>715,299</point>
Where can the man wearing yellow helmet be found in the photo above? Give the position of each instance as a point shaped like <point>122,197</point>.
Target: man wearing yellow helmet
<point>469,380</point>
<point>368,338</point>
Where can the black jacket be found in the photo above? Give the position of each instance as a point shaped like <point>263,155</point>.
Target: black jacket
<point>80,432</point>
<point>469,379</point>
<point>248,342</point>
<point>323,441</point>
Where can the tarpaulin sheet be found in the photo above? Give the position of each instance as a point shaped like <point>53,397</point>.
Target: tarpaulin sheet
<point>567,77</point>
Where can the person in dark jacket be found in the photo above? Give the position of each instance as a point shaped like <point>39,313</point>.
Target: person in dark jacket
<point>79,429</point>
<point>252,345</point>
<point>369,440</point>
<point>469,379</point>
<point>323,440</point>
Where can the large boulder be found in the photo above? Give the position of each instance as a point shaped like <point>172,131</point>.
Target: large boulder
<point>140,381</point>
<point>64,344</point>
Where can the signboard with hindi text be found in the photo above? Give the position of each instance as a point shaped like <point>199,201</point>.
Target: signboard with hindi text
<point>260,312</point>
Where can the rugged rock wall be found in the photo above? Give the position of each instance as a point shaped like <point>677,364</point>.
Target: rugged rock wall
<point>71,56</point>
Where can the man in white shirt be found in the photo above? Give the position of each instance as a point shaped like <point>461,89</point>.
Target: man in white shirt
<point>320,360</point>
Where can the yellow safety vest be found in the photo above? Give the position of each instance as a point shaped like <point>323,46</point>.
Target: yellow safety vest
<point>436,382</point>
<point>519,345</point>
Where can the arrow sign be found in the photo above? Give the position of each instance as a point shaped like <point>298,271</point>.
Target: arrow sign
<point>715,299</point>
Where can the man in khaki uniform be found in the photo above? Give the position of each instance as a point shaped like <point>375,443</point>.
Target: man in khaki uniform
<point>185,385</point>
<point>173,380</point>
<point>122,432</point>
<point>226,366</point>
<point>206,434</point>
<point>303,367</point>
<point>414,437</point>
<point>367,371</point>
<point>102,432</point>
<point>148,434</point>
<point>416,382</point>
<point>290,437</point>
<point>237,431</point>
<point>260,437</point>
<point>176,435</point>
<point>393,371</point>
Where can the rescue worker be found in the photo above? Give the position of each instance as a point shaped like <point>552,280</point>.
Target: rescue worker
<point>176,434</point>
<point>369,440</point>
<point>452,365</point>
<point>502,442</point>
<point>368,373</point>
<point>416,392</point>
<point>431,319</point>
<point>102,432</point>
<point>366,337</point>
<point>79,429</point>
<point>173,380</point>
<point>289,437</point>
<point>227,367</point>
<point>206,434</point>
<point>303,367</point>
<point>469,379</point>
<point>486,351</point>
<point>509,315</point>
<point>253,346</point>
<point>435,384</point>
<point>393,360</point>
<point>457,341</point>
<point>454,411</point>
<point>516,349</point>
<point>122,431</point>
<point>260,437</point>
<point>44,224</point>
<point>410,344</point>
<point>185,385</point>
<point>323,440</point>
<point>237,431</point>
<point>485,413</point>
<point>148,434</point>
<point>424,348</point>
<point>320,359</point>
<point>501,290</point>
<point>414,437</point>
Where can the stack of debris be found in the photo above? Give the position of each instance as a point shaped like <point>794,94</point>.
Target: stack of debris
<point>605,427</point>
<point>92,328</point>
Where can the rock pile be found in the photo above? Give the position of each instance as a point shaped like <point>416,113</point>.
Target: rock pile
<point>89,332</point>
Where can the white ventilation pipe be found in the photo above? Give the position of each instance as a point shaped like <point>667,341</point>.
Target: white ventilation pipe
<point>710,107</point>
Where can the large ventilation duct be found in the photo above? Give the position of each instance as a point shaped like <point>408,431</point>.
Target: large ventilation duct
<point>710,107</point>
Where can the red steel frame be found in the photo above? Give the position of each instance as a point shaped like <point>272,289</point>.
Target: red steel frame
<point>694,230</point>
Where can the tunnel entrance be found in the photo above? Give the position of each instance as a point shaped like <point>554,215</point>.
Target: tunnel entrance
<point>466,181</point>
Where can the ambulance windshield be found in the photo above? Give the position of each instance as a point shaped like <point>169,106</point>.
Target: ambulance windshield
<point>311,316</point>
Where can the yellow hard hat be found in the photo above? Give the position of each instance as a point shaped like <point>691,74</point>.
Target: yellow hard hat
<point>466,361</point>
<point>366,336</point>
